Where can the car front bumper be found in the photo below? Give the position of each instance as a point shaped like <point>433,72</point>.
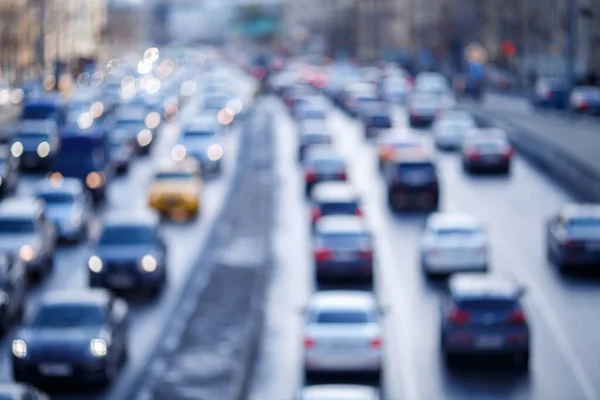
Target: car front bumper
<point>80,372</point>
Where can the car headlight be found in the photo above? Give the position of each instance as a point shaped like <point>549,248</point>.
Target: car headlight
<point>27,252</point>
<point>95,264</point>
<point>43,149</point>
<point>16,149</point>
<point>98,348</point>
<point>144,137</point>
<point>19,348</point>
<point>152,120</point>
<point>148,263</point>
<point>189,197</point>
<point>94,180</point>
<point>214,152</point>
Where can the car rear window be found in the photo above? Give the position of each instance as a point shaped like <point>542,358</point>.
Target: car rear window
<point>172,176</point>
<point>15,226</point>
<point>338,208</point>
<point>407,169</point>
<point>127,235</point>
<point>456,231</point>
<point>342,317</point>
<point>486,304</point>
<point>67,316</point>
<point>326,163</point>
<point>313,138</point>
<point>198,134</point>
<point>57,198</point>
<point>345,240</point>
<point>382,121</point>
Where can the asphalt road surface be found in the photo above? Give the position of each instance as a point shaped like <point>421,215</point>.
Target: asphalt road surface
<point>562,310</point>
<point>185,240</point>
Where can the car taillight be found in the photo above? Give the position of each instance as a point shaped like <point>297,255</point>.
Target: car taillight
<point>342,175</point>
<point>323,255</point>
<point>315,215</point>
<point>432,252</point>
<point>376,342</point>
<point>570,243</point>
<point>358,212</point>
<point>310,175</point>
<point>516,317</point>
<point>457,316</point>
<point>309,343</point>
<point>473,155</point>
<point>366,254</point>
<point>508,152</point>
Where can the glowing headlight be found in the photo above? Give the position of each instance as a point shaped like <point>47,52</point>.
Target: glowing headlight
<point>190,197</point>
<point>19,348</point>
<point>98,348</point>
<point>94,180</point>
<point>214,152</point>
<point>43,149</point>
<point>152,120</point>
<point>95,264</point>
<point>144,138</point>
<point>178,152</point>
<point>148,263</point>
<point>26,252</point>
<point>16,149</point>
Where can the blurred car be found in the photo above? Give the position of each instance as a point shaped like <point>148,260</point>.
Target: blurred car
<point>396,89</point>
<point>131,253</point>
<point>201,140</point>
<point>215,102</point>
<point>17,391</point>
<point>343,334</point>
<point>72,336</point>
<point>343,249</point>
<point>487,150</point>
<point>390,146</point>
<point>322,164</point>
<point>292,93</point>
<point>453,243</point>
<point>308,111</point>
<point>431,81</point>
<point>68,207</point>
<point>35,143</point>
<point>358,95</point>
<point>42,106</point>
<point>585,100</point>
<point>129,124</point>
<point>9,172</point>
<point>483,315</point>
<point>423,108</point>
<point>26,233</point>
<point>451,128</point>
<point>176,186</point>
<point>573,237</point>
<point>312,138</point>
<point>121,153</point>
<point>550,92</point>
<point>334,198</point>
<point>412,181</point>
<point>375,117</point>
<point>13,290</point>
<point>338,391</point>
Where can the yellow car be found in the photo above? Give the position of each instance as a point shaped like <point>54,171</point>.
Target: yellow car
<point>176,189</point>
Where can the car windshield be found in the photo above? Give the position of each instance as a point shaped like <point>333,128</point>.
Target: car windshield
<point>456,231</point>
<point>345,240</point>
<point>199,134</point>
<point>57,197</point>
<point>39,112</point>
<point>172,176</point>
<point>67,316</point>
<point>486,304</point>
<point>31,138</point>
<point>338,208</point>
<point>411,169</point>
<point>15,226</point>
<point>314,138</point>
<point>313,114</point>
<point>127,235</point>
<point>342,317</point>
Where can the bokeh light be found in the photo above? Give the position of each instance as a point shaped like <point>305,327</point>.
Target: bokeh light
<point>97,79</point>
<point>97,109</point>
<point>85,120</point>
<point>224,117</point>
<point>152,120</point>
<point>214,152</point>
<point>49,82</point>
<point>235,105</point>
<point>188,88</point>
<point>84,79</point>
<point>17,96</point>
<point>144,67</point>
<point>178,152</point>
<point>152,85</point>
<point>151,55</point>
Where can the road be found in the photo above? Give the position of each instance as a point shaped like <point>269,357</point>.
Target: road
<point>562,311</point>
<point>185,241</point>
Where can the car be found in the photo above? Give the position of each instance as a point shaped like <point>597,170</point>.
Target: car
<point>322,164</point>
<point>35,144</point>
<point>309,139</point>
<point>483,315</point>
<point>309,111</point>
<point>431,81</point>
<point>550,92</point>
<point>176,187</point>
<point>423,107</point>
<point>451,128</point>
<point>487,150</point>
<point>44,106</point>
<point>389,147</point>
<point>72,336</point>
<point>343,249</point>
<point>13,290</point>
<point>18,391</point>
<point>585,100</point>
<point>375,117</point>
<point>201,140</point>
<point>121,153</point>
<point>573,237</point>
<point>412,181</point>
<point>26,233</point>
<point>68,207</point>
<point>130,254</point>
<point>356,95</point>
<point>214,102</point>
<point>129,124</point>
<point>343,334</point>
<point>338,391</point>
<point>453,242</point>
<point>9,172</point>
<point>334,198</point>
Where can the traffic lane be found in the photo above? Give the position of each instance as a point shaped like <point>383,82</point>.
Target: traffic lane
<point>415,304</point>
<point>279,369</point>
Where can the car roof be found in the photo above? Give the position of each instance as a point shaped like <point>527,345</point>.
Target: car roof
<point>63,185</point>
<point>334,191</point>
<point>97,297</point>
<point>453,220</point>
<point>342,299</point>
<point>341,224</point>
<point>189,165</point>
<point>483,286</point>
<point>339,391</point>
<point>28,126</point>
<point>130,217</point>
<point>27,207</point>
<point>586,210</point>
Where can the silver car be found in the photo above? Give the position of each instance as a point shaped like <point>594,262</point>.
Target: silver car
<point>451,128</point>
<point>338,392</point>
<point>201,140</point>
<point>343,334</point>
<point>25,232</point>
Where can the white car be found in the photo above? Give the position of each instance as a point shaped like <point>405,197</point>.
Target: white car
<point>452,127</point>
<point>339,392</point>
<point>343,334</point>
<point>454,243</point>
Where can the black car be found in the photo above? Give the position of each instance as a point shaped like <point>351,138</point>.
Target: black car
<point>18,391</point>
<point>13,290</point>
<point>343,249</point>
<point>375,118</point>
<point>130,254</point>
<point>550,92</point>
<point>35,143</point>
<point>312,138</point>
<point>322,164</point>
<point>483,316</point>
<point>573,237</point>
<point>412,183</point>
<point>121,153</point>
<point>72,336</point>
<point>9,172</point>
<point>487,150</point>
<point>334,198</point>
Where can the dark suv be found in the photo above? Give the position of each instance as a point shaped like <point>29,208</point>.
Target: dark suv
<point>412,183</point>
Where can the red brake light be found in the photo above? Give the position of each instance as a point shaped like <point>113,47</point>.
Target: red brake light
<point>516,317</point>
<point>310,175</point>
<point>366,254</point>
<point>472,153</point>
<point>323,255</point>
<point>358,212</point>
<point>342,175</point>
<point>315,215</point>
<point>508,152</point>
<point>570,243</point>
<point>457,316</point>
<point>309,342</point>
<point>376,342</point>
